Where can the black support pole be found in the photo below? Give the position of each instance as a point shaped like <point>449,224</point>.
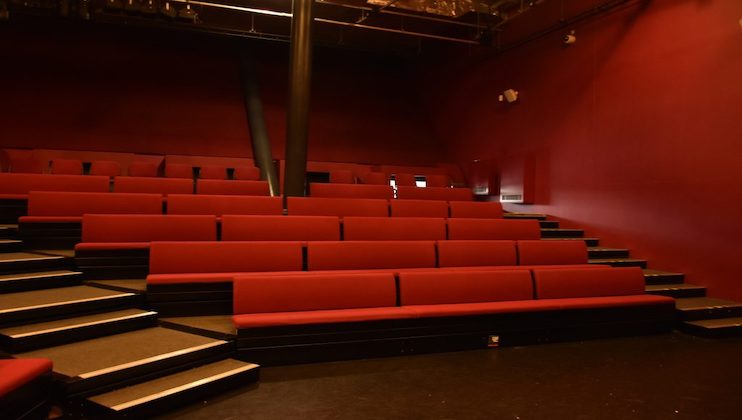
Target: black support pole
<point>300,74</point>
<point>261,144</point>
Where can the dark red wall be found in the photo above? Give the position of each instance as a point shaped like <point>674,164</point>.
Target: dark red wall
<point>129,90</point>
<point>637,129</point>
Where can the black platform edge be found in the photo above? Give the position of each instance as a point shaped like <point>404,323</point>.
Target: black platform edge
<point>69,335</point>
<point>619,262</point>
<point>608,253</point>
<point>562,233</point>
<point>673,290</point>
<point>711,312</point>
<point>65,310</point>
<point>219,335</point>
<point>169,402</point>
<point>668,278</point>
<point>10,245</point>
<point>548,224</point>
<point>11,266</point>
<point>731,330</point>
<point>192,308</point>
<point>80,387</point>
<point>37,283</point>
<point>114,272</point>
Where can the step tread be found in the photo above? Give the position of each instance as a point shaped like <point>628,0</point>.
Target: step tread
<point>124,398</point>
<point>216,323</point>
<point>516,215</point>
<point>97,356</point>
<point>10,241</point>
<point>655,272</point>
<point>602,248</point>
<point>70,253</point>
<point>27,256</point>
<point>673,286</point>
<point>610,260</point>
<point>718,323</point>
<point>133,285</point>
<point>38,274</point>
<point>50,297</point>
<point>101,318</point>
<point>703,303</point>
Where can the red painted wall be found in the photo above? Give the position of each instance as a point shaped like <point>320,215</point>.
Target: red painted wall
<point>127,90</point>
<point>637,129</point>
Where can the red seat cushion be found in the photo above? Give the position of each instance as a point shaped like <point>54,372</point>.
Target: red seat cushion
<point>142,169</point>
<point>375,178</point>
<point>312,206</point>
<point>455,253</point>
<point>441,287</point>
<point>223,204</point>
<point>313,292</point>
<point>18,184</point>
<point>105,168</point>
<point>351,191</point>
<point>214,257</point>
<point>277,319</point>
<point>350,255</point>
<point>280,228</point>
<point>552,252</point>
<point>232,187</point>
<point>388,228</point>
<point>610,281</point>
<point>131,184</point>
<point>493,229</point>
<point>57,203</point>
<point>213,172</point>
<point>434,193</point>
<point>418,208</point>
<point>14,373</point>
<point>247,173</point>
<point>178,170</point>
<point>67,166</point>
<point>407,180</point>
<point>342,177</point>
<point>438,181</point>
<point>147,228</point>
<point>476,209</point>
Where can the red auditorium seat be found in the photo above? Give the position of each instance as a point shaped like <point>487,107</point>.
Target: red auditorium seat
<point>142,169</point>
<point>312,206</point>
<point>364,255</point>
<point>17,186</point>
<point>438,181</point>
<point>390,229</point>
<point>375,178</point>
<point>404,180</point>
<point>133,228</point>
<point>56,205</point>
<point>433,193</point>
<point>21,161</point>
<point>351,191</point>
<point>596,282</point>
<point>178,170</point>
<point>342,177</point>
<point>476,209</point>
<point>247,173</point>
<point>66,167</point>
<point>105,168</point>
<point>212,172</point>
<point>25,388</point>
<point>133,184</point>
<point>475,253</point>
<point>232,187</point>
<point>280,228</point>
<point>552,252</point>
<point>445,288</point>
<point>418,208</point>
<point>223,204</point>
<point>493,229</point>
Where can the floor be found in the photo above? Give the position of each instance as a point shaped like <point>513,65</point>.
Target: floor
<point>671,376</point>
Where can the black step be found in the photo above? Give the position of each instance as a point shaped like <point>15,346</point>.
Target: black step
<point>123,285</point>
<point>9,231</point>
<point>620,262</point>
<point>549,224</point>
<point>54,333</point>
<point>590,242</point>
<point>681,290</point>
<point>11,245</point>
<point>697,308</point>
<point>215,326</point>
<point>39,280</point>
<point>516,215</point>
<point>102,364</point>
<point>562,233</point>
<point>37,305</point>
<point>599,252</point>
<point>722,327</point>
<point>172,391</point>
<point>662,277</point>
<point>15,262</point>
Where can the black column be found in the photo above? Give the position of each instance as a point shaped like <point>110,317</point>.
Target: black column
<point>261,144</point>
<point>300,74</point>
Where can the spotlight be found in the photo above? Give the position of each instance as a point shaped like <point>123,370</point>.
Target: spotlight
<point>149,7</point>
<point>188,14</point>
<point>168,10</point>
<point>569,38</point>
<point>510,95</point>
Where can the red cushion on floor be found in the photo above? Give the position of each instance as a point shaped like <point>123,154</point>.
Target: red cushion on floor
<point>476,209</point>
<point>434,193</point>
<point>552,252</point>
<point>278,319</point>
<point>147,228</point>
<point>467,228</point>
<point>454,253</point>
<point>418,208</point>
<point>133,184</point>
<point>350,255</point>
<point>57,203</point>
<point>351,191</point>
<point>280,228</point>
<point>565,283</point>
<point>311,206</point>
<point>214,257</point>
<point>14,373</point>
<point>441,287</point>
<point>232,187</point>
<point>392,229</point>
<point>223,204</point>
<point>256,294</point>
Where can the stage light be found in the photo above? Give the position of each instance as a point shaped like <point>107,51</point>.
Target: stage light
<point>188,14</point>
<point>510,95</point>
<point>168,10</point>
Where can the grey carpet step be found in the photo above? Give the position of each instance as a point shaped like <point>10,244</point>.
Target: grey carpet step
<point>20,282</point>
<point>172,391</point>
<point>54,333</point>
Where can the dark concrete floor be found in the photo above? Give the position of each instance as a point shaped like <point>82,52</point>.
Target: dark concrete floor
<point>672,376</point>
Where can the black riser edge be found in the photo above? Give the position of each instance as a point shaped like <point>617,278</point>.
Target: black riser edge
<point>679,293</point>
<point>598,254</point>
<point>562,234</point>
<point>669,279</point>
<point>709,313</point>
<point>732,331</point>
<point>34,265</point>
<point>40,283</point>
<point>113,272</point>
<point>174,309</point>
<point>77,308</point>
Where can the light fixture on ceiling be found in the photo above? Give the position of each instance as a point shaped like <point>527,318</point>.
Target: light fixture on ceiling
<point>132,6</point>
<point>510,95</point>
<point>149,8</point>
<point>188,14</point>
<point>168,10</point>
<point>570,38</point>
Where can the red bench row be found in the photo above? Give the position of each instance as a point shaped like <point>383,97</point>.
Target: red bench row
<point>25,388</point>
<point>387,192</point>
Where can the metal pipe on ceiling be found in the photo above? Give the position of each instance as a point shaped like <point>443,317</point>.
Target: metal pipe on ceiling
<point>402,14</point>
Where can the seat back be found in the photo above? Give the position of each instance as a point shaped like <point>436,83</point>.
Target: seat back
<point>147,228</point>
<point>280,228</point>
<point>393,229</point>
<point>443,181</point>
<point>552,252</point>
<point>232,187</point>
<point>493,229</point>
<point>223,204</point>
<point>15,183</point>
<point>313,206</point>
<point>246,173</point>
<point>434,193</point>
<point>451,287</point>
<point>105,168</point>
<point>133,184</point>
<point>594,282</point>
<point>142,169</point>
<point>476,209</point>
<point>59,203</point>
<point>66,167</point>
<point>212,172</point>
<point>407,180</point>
<point>342,176</point>
<point>351,191</point>
<point>178,170</point>
<point>418,208</point>
<point>361,255</point>
<point>476,253</point>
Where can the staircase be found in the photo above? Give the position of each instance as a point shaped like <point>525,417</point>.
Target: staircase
<point>112,358</point>
<point>696,313</point>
